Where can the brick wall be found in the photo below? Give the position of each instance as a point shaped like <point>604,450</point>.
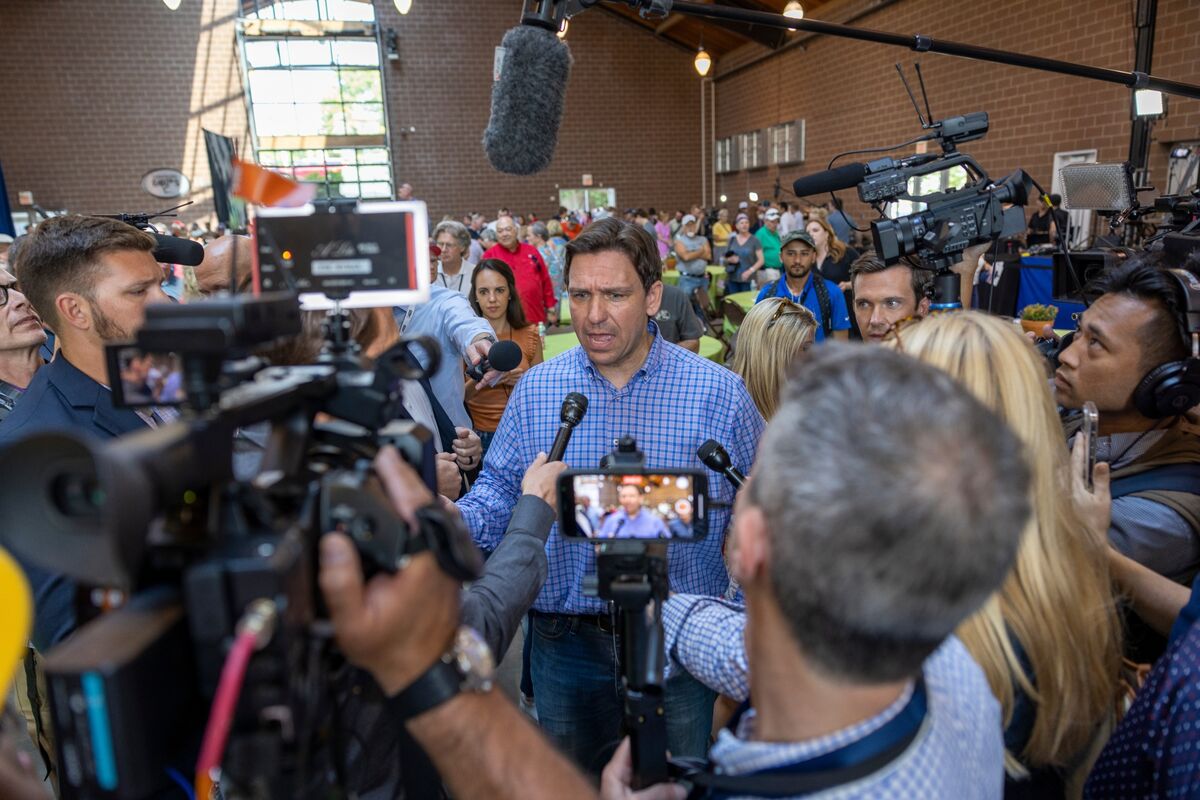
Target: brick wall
<point>851,98</point>
<point>95,95</point>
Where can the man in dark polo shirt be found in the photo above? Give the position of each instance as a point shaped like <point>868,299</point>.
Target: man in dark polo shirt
<point>677,322</point>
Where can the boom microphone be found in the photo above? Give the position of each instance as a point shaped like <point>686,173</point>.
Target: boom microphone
<point>174,250</point>
<point>502,357</point>
<point>573,408</point>
<point>830,180</point>
<point>532,68</point>
<point>716,458</point>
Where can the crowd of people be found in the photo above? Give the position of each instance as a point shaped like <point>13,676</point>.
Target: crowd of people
<point>918,593</point>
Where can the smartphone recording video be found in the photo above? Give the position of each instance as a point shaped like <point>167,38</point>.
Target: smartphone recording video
<point>665,505</point>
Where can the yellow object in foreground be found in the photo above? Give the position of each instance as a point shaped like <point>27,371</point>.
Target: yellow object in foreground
<point>16,608</point>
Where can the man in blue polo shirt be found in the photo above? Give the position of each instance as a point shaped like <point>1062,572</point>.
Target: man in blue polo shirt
<point>800,285</point>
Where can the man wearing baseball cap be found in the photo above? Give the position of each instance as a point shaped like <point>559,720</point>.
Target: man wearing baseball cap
<point>803,286</point>
<point>768,235</point>
<point>692,255</point>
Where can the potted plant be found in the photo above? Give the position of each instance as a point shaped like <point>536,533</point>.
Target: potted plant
<point>1034,317</point>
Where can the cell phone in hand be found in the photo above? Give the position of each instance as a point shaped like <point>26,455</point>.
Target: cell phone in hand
<point>1088,434</point>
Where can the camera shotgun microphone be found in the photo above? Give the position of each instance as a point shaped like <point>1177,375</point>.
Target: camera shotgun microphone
<point>573,408</point>
<point>502,357</point>
<point>716,458</point>
<point>531,69</point>
<point>830,180</point>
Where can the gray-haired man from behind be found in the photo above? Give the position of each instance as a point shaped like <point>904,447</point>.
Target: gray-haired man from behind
<point>856,575</point>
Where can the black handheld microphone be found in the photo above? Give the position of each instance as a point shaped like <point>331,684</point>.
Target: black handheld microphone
<point>502,357</point>
<point>174,250</point>
<point>573,408</point>
<point>716,458</point>
<point>527,97</point>
<point>830,180</point>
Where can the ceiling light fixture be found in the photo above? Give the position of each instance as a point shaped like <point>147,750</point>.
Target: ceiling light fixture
<point>172,4</point>
<point>794,10</point>
<point>403,6</point>
<point>703,62</point>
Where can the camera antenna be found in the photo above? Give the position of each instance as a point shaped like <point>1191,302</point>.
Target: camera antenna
<point>924,96</point>
<point>911,97</point>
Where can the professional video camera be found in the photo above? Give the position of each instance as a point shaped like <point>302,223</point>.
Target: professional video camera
<point>958,205</point>
<point>207,560</point>
<point>1170,223</point>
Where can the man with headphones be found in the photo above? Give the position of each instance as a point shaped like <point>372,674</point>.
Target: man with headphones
<point>1137,357</point>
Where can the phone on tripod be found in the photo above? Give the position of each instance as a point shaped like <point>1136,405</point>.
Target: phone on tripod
<point>645,504</point>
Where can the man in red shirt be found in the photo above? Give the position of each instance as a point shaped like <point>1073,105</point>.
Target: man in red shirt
<point>533,279</point>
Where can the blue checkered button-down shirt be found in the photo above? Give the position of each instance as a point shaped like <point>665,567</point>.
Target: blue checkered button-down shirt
<point>672,404</point>
<point>959,751</point>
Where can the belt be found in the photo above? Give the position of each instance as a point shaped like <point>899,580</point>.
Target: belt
<point>603,622</point>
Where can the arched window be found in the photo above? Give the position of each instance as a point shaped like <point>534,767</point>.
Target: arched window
<point>315,92</point>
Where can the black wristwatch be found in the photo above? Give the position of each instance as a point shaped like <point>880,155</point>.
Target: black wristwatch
<point>469,666</point>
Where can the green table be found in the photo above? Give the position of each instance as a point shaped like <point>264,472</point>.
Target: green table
<point>559,343</point>
<point>745,301</point>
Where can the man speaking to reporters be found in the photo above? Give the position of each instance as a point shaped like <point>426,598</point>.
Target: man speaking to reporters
<point>670,401</point>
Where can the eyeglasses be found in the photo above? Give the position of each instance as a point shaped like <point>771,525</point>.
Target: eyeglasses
<point>3,296</point>
<point>447,245</point>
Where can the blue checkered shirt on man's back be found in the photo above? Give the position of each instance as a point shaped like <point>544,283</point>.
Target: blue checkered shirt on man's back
<point>958,752</point>
<point>671,405</point>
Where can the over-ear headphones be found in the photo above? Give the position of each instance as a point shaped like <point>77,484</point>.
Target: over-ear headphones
<point>1172,388</point>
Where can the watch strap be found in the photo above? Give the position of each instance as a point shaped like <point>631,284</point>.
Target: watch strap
<point>439,683</point>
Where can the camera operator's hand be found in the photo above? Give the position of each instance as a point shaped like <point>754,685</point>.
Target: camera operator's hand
<point>541,479</point>
<point>1095,506</point>
<point>467,448</point>
<point>615,780</point>
<point>396,626</point>
<point>449,478</point>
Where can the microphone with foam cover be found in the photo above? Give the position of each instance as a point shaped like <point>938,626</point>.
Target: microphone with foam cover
<point>174,250</point>
<point>830,180</point>
<point>502,357</point>
<point>527,100</point>
<point>716,458</point>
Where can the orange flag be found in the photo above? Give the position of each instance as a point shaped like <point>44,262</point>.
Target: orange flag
<point>263,187</point>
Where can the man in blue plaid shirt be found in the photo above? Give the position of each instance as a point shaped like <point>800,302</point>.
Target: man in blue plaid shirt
<point>670,400</point>
<point>886,506</point>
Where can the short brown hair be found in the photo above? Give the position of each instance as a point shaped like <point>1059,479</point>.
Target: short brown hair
<point>631,241</point>
<point>62,254</point>
<point>869,263</point>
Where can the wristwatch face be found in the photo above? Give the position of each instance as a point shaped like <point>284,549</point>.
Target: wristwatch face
<point>474,660</point>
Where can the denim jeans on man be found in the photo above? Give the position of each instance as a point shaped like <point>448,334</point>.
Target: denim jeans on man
<point>689,284</point>
<point>580,707</point>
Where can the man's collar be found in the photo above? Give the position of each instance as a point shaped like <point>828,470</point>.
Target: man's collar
<point>654,358</point>
<point>79,388</point>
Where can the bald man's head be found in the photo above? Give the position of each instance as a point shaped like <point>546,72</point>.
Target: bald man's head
<point>212,275</point>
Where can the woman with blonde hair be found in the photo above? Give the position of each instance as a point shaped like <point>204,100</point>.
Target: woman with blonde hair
<point>775,333</point>
<point>1049,641</point>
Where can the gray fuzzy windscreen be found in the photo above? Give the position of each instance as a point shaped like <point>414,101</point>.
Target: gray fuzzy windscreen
<point>527,101</point>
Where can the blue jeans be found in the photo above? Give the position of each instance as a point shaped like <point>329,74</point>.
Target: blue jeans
<point>732,287</point>
<point>689,284</point>
<point>580,700</point>
<point>485,439</point>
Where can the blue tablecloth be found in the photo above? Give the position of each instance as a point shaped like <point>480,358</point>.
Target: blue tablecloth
<point>1037,286</point>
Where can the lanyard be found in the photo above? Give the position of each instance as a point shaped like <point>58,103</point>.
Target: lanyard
<point>803,294</point>
<point>835,768</point>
